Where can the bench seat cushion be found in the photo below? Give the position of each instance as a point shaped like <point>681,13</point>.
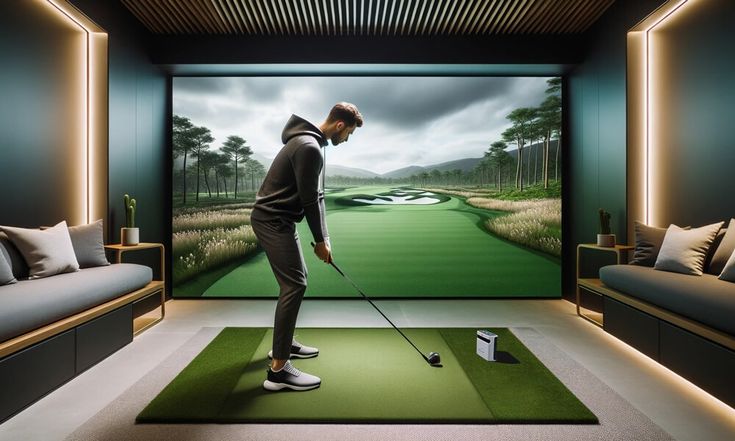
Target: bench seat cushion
<point>31,304</point>
<point>704,299</point>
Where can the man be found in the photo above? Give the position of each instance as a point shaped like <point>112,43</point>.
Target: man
<point>289,193</point>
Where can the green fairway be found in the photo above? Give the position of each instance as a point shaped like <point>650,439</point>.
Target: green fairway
<point>393,384</point>
<point>439,250</point>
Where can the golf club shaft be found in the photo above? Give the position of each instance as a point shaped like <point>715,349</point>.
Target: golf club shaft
<point>377,309</point>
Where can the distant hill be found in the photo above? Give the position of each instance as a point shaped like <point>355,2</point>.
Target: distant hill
<point>338,170</point>
<point>466,165</point>
<point>403,172</point>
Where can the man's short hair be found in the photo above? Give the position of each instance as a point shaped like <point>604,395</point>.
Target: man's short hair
<point>347,113</point>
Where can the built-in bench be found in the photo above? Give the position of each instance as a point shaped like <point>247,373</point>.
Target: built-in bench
<point>683,322</point>
<point>54,328</point>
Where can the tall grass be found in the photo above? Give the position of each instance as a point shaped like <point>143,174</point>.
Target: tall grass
<point>545,206</point>
<point>212,219</point>
<point>198,251</point>
<point>206,239</point>
<point>536,224</point>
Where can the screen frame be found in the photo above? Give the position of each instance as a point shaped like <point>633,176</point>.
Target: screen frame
<point>369,70</point>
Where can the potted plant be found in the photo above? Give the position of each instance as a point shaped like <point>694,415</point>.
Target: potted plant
<point>605,238</point>
<point>129,234</point>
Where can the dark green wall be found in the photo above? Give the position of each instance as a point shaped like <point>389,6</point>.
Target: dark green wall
<point>596,135</point>
<point>39,176</point>
<point>696,146</point>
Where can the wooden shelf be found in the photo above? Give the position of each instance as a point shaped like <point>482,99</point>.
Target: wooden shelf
<point>594,285</point>
<point>120,249</point>
<point>140,324</point>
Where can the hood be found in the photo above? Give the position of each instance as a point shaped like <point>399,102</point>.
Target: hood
<point>297,126</point>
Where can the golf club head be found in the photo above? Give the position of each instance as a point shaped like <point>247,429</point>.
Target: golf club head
<point>434,358</point>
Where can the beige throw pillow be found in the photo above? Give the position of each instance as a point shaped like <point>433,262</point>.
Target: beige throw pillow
<point>89,245</point>
<point>47,252</point>
<point>684,251</point>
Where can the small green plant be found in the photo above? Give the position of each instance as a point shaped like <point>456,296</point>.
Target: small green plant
<point>604,221</point>
<point>129,211</point>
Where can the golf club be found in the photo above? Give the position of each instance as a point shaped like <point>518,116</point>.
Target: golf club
<point>433,359</point>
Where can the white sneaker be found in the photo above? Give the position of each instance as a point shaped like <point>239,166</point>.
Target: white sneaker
<point>290,378</point>
<point>299,351</point>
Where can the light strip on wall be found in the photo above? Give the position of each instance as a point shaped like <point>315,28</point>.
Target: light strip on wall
<point>647,75</point>
<point>89,109</point>
<point>650,115</point>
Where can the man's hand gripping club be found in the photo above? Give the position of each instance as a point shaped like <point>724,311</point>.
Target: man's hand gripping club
<point>323,251</point>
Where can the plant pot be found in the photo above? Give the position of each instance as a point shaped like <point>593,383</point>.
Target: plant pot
<point>606,240</point>
<point>129,236</point>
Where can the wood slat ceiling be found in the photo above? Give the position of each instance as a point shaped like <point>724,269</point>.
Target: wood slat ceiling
<point>367,17</point>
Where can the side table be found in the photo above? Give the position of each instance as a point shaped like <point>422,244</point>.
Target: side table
<point>142,323</point>
<point>586,283</point>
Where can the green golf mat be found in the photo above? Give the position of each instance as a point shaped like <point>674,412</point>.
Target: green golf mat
<point>369,375</point>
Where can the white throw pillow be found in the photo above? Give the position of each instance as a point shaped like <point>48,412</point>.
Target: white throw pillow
<point>728,273</point>
<point>47,252</point>
<point>684,251</point>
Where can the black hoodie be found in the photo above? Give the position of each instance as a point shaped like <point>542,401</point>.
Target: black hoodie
<point>291,187</point>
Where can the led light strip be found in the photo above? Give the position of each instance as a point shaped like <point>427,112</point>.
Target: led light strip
<point>664,12</point>
<point>65,9</point>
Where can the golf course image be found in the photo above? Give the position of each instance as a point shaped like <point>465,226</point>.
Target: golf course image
<point>399,242</point>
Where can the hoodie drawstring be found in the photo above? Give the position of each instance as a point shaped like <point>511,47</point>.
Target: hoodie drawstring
<point>324,171</point>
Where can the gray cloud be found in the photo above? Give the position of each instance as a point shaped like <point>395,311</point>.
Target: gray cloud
<point>419,101</point>
<point>408,120</point>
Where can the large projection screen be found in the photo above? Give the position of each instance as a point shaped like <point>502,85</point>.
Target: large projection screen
<point>451,189</point>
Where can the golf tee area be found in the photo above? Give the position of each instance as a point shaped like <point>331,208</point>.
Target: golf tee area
<point>389,383</point>
<point>425,245</point>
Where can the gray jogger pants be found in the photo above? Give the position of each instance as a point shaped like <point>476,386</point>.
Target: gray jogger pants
<point>280,240</point>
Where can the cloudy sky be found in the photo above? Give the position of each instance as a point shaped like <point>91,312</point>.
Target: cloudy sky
<point>408,120</point>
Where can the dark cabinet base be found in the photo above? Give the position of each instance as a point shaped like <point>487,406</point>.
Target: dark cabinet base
<point>699,360</point>
<point>35,371</point>
<point>31,373</point>
<point>634,327</point>
<point>706,364</point>
<point>102,336</point>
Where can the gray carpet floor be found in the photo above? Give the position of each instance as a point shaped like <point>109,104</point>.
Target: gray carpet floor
<point>618,419</point>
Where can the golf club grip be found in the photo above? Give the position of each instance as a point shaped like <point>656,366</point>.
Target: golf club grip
<point>376,308</point>
<point>313,245</point>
